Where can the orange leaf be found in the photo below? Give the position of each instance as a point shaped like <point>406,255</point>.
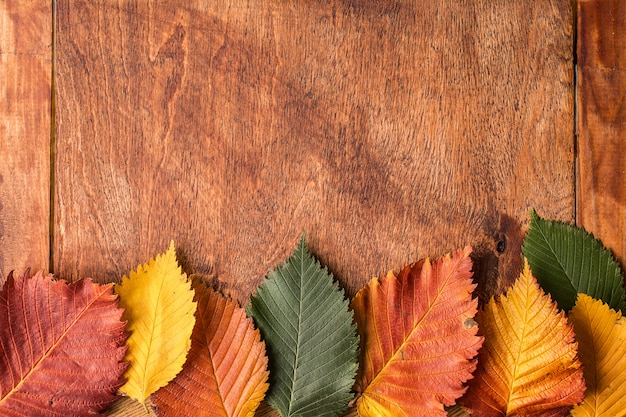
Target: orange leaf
<point>528,364</point>
<point>418,337</point>
<point>226,369</point>
<point>61,347</point>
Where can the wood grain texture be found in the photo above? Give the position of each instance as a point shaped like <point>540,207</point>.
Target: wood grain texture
<point>601,194</point>
<point>25,74</point>
<point>389,131</point>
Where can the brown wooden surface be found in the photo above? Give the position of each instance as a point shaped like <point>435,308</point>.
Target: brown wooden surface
<point>601,192</point>
<point>389,131</point>
<point>25,74</point>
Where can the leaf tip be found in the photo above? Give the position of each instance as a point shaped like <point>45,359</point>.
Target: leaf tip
<point>302,243</point>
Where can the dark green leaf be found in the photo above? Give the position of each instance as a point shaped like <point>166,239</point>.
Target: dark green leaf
<point>310,336</point>
<point>567,260</point>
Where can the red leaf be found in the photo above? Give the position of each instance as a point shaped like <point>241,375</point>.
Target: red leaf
<point>418,338</point>
<point>60,347</point>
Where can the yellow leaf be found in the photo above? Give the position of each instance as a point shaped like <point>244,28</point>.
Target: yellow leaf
<point>601,335</point>
<point>159,308</point>
<point>528,364</point>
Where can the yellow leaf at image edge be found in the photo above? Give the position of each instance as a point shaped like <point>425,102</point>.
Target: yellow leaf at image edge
<point>601,335</point>
<point>158,305</point>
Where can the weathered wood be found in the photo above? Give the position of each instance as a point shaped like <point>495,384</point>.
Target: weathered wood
<point>387,130</point>
<point>601,194</point>
<point>25,74</point>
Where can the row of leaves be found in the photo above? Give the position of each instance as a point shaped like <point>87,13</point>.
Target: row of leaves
<point>411,344</point>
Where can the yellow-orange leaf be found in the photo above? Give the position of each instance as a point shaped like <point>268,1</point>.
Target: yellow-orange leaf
<point>226,372</point>
<point>159,308</point>
<point>528,365</point>
<point>418,338</point>
<point>601,335</point>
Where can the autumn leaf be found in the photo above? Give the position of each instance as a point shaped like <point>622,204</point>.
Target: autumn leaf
<point>310,337</point>
<point>226,370</point>
<point>567,260</point>
<point>61,347</point>
<point>159,308</point>
<point>601,335</point>
<point>528,364</point>
<point>418,338</point>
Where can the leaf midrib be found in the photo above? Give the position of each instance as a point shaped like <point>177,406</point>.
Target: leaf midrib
<point>519,352</point>
<point>144,388</point>
<point>297,352</point>
<point>207,341</point>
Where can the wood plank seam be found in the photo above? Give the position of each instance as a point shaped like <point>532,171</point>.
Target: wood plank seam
<point>52,137</point>
<point>601,122</point>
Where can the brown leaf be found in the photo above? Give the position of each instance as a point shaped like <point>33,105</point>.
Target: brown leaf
<point>61,347</point>
<point>226,369</point>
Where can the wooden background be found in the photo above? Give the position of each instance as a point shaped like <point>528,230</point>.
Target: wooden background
<point>388,130</point>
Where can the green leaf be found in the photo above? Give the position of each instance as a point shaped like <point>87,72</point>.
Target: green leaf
<point>310,336</point>
<point>567,260</point>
